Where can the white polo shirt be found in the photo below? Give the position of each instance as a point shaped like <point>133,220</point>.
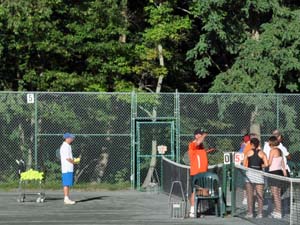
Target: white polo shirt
<point>66,153</point>
<point>284,151</point>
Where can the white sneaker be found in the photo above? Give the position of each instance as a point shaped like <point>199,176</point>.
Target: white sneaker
<point>276,215</point>
<point>259,216</point>
<point>69,202</point>
<point>249,216</point>
<point>192,215</point>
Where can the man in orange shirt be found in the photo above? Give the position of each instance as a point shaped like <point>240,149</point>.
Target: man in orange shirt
<point>198,160</point>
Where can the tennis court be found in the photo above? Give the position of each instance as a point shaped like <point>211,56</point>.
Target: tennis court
<point>98,207</point>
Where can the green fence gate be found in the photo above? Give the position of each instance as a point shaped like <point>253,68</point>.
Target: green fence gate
<point>149,136</point>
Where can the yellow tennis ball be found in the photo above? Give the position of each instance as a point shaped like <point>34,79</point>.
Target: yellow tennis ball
<point>76,160</point>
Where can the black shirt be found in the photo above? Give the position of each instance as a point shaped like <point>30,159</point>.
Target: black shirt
<point>254,161</point>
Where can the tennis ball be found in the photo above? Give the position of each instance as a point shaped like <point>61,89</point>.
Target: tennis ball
<point>76,160</point>
<point>32,175</point>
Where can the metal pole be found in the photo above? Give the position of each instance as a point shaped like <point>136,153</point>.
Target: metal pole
<point>133,143</point>
<point>35,131</point>
<point>291,203</point>
<point>277,111</point>
<point>233,197</point>
<point>177,127</point>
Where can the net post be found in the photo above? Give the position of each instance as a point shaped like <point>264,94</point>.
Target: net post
<point>224,186</point>
<point>291,203</point>
<point>232,180</point>
<point>228,177</point>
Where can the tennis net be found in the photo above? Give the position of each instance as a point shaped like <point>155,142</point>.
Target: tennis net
<point>265,198</point>
<point>173,173</point>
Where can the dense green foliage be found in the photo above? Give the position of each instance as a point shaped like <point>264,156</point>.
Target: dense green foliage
<point>112,45</point>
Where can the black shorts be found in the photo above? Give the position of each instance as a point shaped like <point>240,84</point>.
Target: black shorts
<point>276,172</point>
<point>273,181</point>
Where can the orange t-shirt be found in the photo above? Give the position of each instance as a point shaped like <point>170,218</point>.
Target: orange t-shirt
<point>198,159</point>
<point>246,150</point>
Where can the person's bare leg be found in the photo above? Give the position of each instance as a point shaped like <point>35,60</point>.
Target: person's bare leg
<point>249,190</point>
<point>66,191</point>
<point>192,203</point>
<point>259,196</point>
<point>277,199</point>
<point>192,199</point>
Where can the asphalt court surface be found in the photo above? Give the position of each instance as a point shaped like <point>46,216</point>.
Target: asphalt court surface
<point>98,207</point>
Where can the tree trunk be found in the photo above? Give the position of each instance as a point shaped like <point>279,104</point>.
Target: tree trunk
<point>255,35</point>
<point>154,115</point>
<point>254,126</point>
<point>123,36</point>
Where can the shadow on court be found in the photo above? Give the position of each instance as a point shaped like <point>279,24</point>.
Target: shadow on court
<point>91,199</point>
<point>98,207</point>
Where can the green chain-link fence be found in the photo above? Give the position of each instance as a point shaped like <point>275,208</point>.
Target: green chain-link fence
<point>117,133</point>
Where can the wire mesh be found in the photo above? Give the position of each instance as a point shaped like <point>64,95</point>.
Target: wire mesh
<point>264,198</point>
<point>105,128</point>
<point>33,132</point>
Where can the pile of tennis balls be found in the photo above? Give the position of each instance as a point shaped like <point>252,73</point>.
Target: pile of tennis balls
<point>32,175</point>
<point>76,160</point>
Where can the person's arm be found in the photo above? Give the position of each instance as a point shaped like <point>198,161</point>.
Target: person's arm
<point>283,168</point>
<point>267,149</point>
<point>245,161</point>
<point>70,156</point>
<point>200,139</point>
<point>70,160</point>
<point>264,158</point>
<point>271,156</point>
<point>210,150</point>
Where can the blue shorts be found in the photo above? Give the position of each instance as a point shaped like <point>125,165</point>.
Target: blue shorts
<point>67,179</point>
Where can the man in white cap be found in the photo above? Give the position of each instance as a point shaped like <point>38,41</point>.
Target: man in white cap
<point>67,166</point>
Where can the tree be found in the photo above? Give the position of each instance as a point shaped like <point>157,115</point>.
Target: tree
<point>63,45</point>
<point>166,30</point>
<point>224,26</point>
<point>270,64</point>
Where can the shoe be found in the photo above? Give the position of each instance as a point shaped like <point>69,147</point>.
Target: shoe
<point>245,201</point>
<point>249,216</point>
<point>259,216</point>
<point>192,215</point>
<point>276,215</point>
<point>69,202</point>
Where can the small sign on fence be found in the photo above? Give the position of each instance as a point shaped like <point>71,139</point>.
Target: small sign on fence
<point>30,98</point>
<point>238,158</point>
<point>227,158</point>
<point>162,149</point>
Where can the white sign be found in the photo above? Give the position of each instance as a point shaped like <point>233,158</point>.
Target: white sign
<point>30,98</point>
<point>161,149</point>
<point>227,158</point>
<point>238,158</point>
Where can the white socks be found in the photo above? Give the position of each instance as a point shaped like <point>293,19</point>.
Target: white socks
<point>192,209</point>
